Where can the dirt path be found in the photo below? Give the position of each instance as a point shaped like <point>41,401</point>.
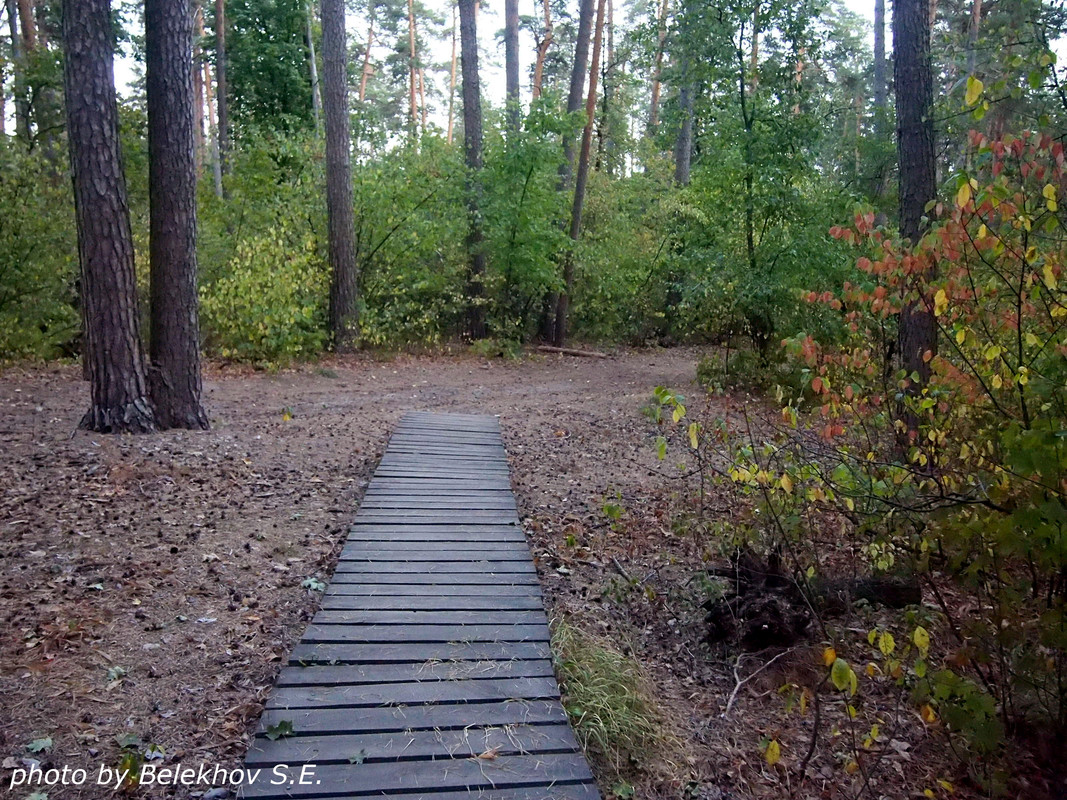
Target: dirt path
<point>150,586</point>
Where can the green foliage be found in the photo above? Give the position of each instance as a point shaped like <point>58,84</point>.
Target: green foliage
<point>270,305</point>
<point>38,258</point>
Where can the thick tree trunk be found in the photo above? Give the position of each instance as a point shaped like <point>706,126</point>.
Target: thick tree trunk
<point>880,98</point>
<point>575,231</point>
<point>661,38</point>
<point>344,283</point>
<point>198,83</point>
<point>472,145</point>
<point>511,60</point>
<point>174,374</point>
<point>105,243</point>
<point>313,69</point>
<point>542,51</point>
<point>913,79</point>
<point>222,97</point>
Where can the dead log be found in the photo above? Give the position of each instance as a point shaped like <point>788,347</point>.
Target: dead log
<point>570,351</point>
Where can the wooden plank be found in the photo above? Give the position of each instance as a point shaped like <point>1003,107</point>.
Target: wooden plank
<point>443,579</point>
<point>423,634</point>
<point>435,516</point>
<point>482,567</point>
<point>448,503</point>
<point>414,718</point>
<point>392,694</point>
<point>369,748</point>
<point>557,791</point>
<point>501,590</point>
<point>414,617</point>
<point>456,532</point>
<point>340,601</point>
<point>306,653</point>
<point>463,773</point>
<point>427,671</point>
<point>449,551</point>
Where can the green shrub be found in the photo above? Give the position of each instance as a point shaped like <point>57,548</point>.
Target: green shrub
<point>271,305</point>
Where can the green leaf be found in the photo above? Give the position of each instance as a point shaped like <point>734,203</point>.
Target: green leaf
<point>40,745</point>
<point>282,729</point>
<point>840,674</point>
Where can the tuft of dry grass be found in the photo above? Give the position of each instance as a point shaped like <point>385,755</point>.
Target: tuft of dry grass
<point>613,706</point>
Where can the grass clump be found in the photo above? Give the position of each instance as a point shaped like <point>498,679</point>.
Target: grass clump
<point>611,704</point>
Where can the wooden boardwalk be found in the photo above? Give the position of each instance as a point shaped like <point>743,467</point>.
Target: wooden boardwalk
<point>427,673</point>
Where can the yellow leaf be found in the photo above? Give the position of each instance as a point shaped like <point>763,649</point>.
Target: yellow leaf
<point>852,767</point>
<point>963,196</point>
<point>787,484</point>
<point>886,643</point>
<point>948,787</point>
<point>983,231</point>
<point>1049,275</point>
<point>974,90</point>
<point>928,714</point>
<point>921,638</point>
<point>693,428</point>
<point>773,753</point>
<point>961,336</point>
<point>829,656</point>
<point>1049,192</point>
<point>997,381</point>
<point>940,302</point>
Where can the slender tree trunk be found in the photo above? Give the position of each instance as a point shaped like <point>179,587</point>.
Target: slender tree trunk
<point>313,68</point>
<point>423,113</point>
<point>472,145</point>
<point>575,232</point>
<point>28,48</point>
<point>683,143</point>
<point>198,83</point>
<point>344,284</point>
<point>880,99</point>
<point>174,375</point>
<point>222,97</point>
<point>605,142</point>
<point>542,51</point>
<point>213,130</point>
<point>661,38</point>
<point>413,111</point>
<point>367,69</point>
<point>913,78</point>
<point>566,170</point>
<point>18,62</point>
<point>452,80</point>
<point>511,60</point>
<point>105,243</point>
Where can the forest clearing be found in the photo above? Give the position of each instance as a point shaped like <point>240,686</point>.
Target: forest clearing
<point>533,400</point>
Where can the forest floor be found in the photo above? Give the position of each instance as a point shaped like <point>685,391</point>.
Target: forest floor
<point>151,587</point>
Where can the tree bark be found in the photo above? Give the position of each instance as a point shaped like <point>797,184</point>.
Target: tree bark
<point>452,80</point>
<point>575,232</point>
<point>879,58</point>
<point>222,97</point>
<point>511,60</point>
<point>542,51</point>
<point>213,130</point>
<point>367,69</point>
<point>913,82</point>
<point>661,38</point>
<point>105,243</point>
<point>411,65</point>
<point>472,145</point>
<point>683,143</point>
<point>174,374</point>
<point>198,83</point>
<point>344,283</point>
<point>18,62</point>
<point>313,68</point>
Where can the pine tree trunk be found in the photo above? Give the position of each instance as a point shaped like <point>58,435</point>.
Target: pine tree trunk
<point>313,68</point>
<point>566,170</point>
<point>367,69</point>
<point>222,96</point>
<point>198,83</point>
<point>18,63</point>
<point>683,143</point>
<point>542,51</point>
<point>105,243</point>
<point>344,282</point>
<point>913,79</point>
<point>174,374</point>
<point>413,111</point>
<point>511,59</point>
<point>880,100</point>
<point>452,80</point>
<point>661,38</point>
<point>472,146</point>
<point>213,129</point>
<point>575,231</point>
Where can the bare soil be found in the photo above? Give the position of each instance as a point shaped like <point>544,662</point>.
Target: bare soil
<point>151,586</point>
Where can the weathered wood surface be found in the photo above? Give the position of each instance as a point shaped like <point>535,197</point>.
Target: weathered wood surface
<point>427,672</point>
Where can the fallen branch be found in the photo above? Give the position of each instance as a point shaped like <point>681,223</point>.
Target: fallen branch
<point>569,351</point>
<point>741,682</point>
